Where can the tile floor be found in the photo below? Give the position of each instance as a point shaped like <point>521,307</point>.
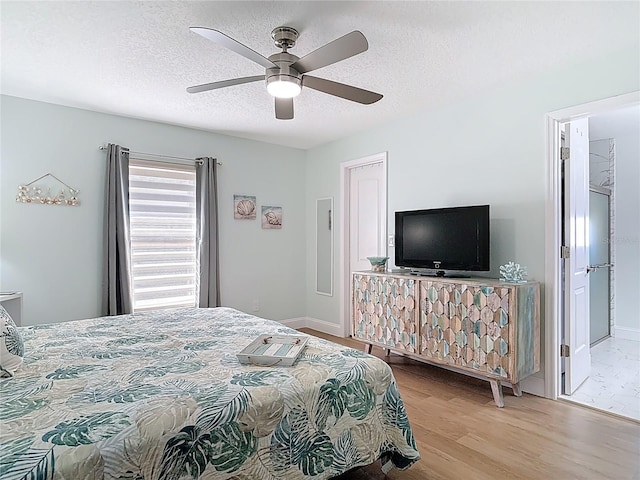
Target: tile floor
<point>614,383</point>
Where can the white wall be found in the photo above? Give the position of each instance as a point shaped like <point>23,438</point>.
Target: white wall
<point>486,149</point>
<point>53,254</point>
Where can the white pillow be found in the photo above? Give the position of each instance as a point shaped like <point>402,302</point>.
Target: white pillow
<point>11,345</point>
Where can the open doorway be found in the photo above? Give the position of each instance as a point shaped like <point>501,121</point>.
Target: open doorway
<point>613,383</point>
<point>612,332</point>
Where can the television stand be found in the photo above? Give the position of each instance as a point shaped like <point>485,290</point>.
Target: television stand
<point>480,326</point>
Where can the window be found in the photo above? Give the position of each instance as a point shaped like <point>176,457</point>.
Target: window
<point>162,216</point>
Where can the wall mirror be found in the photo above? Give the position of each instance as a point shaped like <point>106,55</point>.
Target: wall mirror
<point>324,246</point>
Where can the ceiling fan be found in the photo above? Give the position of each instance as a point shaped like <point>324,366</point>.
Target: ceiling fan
<point>286,74</point>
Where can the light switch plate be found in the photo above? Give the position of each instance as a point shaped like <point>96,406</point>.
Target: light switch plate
<point>392,240</point>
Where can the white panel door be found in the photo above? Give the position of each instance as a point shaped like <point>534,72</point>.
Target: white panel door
<point>367,215</point>
<point>576,221</point>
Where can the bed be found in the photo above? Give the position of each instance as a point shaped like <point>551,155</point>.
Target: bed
<point>161,395</point>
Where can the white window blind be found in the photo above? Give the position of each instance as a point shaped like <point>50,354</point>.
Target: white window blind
<point>162,215</point>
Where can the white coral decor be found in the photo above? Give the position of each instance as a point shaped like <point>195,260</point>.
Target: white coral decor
<point>513,272</point>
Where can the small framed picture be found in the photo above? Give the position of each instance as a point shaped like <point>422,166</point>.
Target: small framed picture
<point>244,207</point>
<point>271,217</point>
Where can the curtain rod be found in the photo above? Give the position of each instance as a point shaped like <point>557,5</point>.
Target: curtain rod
<point>104,147</point>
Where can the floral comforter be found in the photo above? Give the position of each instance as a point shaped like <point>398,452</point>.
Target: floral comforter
<point>161,396</point>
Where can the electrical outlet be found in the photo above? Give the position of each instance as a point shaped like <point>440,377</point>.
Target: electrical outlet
<point>392,240</point>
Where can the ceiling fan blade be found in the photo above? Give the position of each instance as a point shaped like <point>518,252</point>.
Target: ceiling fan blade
<point>284,108</point>
<point>228,42</point>
<point>224,83</point>
<point>341,90</point>
<point>344,47</point>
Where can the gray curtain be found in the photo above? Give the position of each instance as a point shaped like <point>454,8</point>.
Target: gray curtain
<point>117,296</point>
<point>207,232</point>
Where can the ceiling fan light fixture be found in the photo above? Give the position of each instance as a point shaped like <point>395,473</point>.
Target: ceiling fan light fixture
<point>285,73</point>
<point>284,86</point>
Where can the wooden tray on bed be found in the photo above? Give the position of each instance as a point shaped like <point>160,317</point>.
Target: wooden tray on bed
<point>273,350</point>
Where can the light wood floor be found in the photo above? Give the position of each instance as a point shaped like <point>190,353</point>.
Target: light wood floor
<point>461,434</point>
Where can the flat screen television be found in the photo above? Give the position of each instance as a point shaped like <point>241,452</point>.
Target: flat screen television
<point>442,239</point>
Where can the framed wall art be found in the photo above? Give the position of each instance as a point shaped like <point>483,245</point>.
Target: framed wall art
<point>271,217</point>
<point>244,207</point>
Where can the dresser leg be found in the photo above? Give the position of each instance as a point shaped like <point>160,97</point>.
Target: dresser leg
<point>516,389</point>
<point>496,388</point>
<point>367,348</point>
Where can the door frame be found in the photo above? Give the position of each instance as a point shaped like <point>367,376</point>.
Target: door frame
<point>553,227</point>
<point>344,283</point>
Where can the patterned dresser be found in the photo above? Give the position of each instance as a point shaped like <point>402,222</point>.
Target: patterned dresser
<point>386,311</point>
<point>480,326</point>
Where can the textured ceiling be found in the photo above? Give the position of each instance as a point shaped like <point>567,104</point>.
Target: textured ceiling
<point>137,58</point>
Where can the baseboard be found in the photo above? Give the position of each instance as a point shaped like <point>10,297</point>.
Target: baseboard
<point>319,325</point>
<point>295,323</point>
<point>325,327</point>
<point>625,333</point>
<point>533,385</point>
